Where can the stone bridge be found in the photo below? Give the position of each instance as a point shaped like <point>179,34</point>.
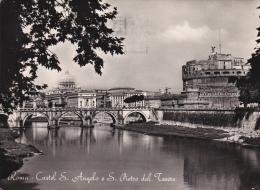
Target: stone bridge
<point>86,115</point>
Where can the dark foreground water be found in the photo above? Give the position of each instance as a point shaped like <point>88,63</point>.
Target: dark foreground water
<point>103,158</point>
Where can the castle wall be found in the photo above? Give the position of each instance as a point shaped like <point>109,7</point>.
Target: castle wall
<point>239,120</point>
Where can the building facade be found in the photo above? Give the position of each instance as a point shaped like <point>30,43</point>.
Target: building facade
<point>102,99</point>
<point>116,96</point>
<point>87,99</point>
<point>152,101</point>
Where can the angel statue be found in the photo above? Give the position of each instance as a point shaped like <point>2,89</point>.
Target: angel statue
<point>213,49</point>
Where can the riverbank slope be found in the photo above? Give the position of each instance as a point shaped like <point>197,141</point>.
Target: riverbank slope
<point>12,153</point>
<point>151,128</point>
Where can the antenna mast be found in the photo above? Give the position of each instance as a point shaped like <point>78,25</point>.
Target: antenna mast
<point>219,42</point>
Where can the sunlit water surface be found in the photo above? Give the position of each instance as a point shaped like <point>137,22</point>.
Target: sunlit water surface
<point>107,158</point>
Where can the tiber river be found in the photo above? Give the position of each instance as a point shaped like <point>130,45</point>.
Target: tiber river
<point>77,158</point>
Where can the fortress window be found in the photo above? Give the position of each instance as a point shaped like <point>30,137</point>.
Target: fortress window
<point>238,72</point>
<point>225,72</point>
<point>207,73</point>
<point>216,73</point>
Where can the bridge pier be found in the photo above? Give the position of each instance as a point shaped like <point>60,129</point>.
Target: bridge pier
<point>53,123</point>
<point>120,117</point>
<point>121,121</point>
<point>19,123</point>
<point>87,122</point>
<point>87,119</point>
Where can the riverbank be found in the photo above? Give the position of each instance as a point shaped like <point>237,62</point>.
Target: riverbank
<point>151,128</point>
<point>12,153</point>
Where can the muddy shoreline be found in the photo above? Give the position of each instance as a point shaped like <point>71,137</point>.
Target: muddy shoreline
<point>12,153</point>
<point>154,129</point>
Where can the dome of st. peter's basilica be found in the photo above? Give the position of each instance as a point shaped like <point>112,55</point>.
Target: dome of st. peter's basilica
<point>67,81</point>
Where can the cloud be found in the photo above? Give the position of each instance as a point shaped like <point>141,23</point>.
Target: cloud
<point>185,33</point>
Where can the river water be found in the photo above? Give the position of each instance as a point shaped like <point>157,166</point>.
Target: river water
<point>77,158</point>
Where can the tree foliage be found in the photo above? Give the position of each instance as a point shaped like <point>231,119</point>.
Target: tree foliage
<point>30,27</point>
<point>249,90</point>
<point>134,98</point>
<point>249,85</point>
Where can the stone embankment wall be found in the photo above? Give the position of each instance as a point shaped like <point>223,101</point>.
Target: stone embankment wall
<point>239,119</point>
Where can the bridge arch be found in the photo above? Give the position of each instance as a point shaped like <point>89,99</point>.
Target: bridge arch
<point>30,114</point>
<point>143,116</point>
<point>4,116</point>
<point>107,112</point>
<point>73,112</point>
<point>6,119</point>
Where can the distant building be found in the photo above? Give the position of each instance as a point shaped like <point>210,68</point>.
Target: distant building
<point>172,100</point>
<point>206,84</point>
<point>167,100</point>
<point>87,99</point>
<point>102,98</point>
<point>36,101</point>
<point>152,99</point>
<point>66,84</point>
<point>210,83</point>
<point>67,94</point>
<point>117,96</point>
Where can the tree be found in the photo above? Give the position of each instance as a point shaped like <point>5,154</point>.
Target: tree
<point>249,93</point>
<point>134,98</point>
<point>249,85</point>
<point>30,27</point>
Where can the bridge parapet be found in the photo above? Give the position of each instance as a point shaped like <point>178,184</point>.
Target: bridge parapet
<point>81,109</point>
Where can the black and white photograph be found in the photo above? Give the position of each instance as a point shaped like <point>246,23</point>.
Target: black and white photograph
<point>129,95</point>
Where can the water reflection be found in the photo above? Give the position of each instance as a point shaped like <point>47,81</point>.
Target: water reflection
<point>66,136</point>
<point>211,165</point>
<point>196,164</point>
<point>19,184</point>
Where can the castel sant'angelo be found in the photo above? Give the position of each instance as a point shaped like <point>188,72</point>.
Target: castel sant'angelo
<point>210,83</point>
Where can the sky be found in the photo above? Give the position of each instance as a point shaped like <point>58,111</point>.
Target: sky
<point>160,37</point>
